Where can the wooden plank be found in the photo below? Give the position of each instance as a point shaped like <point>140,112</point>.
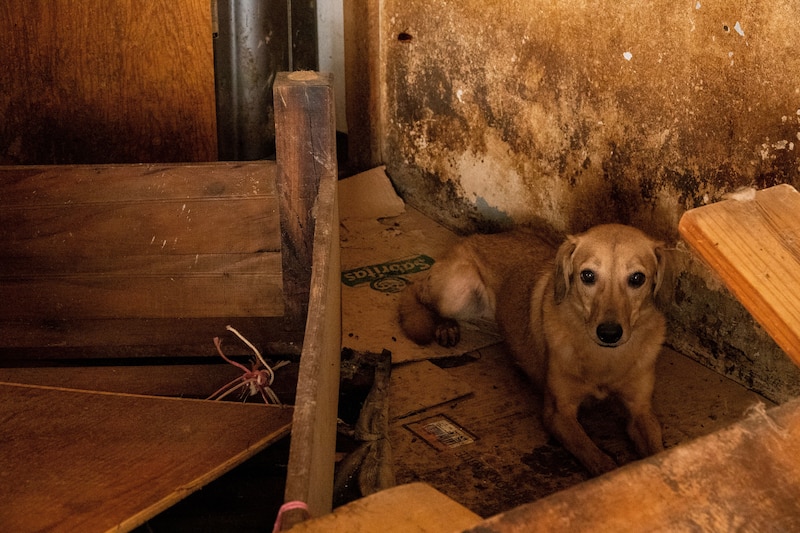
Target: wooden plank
<point>311,456</point>
<point>144,265</point>
<point>157,296</point>
<point>414,507</point>
<point>176,380</point>
<point>118,338</point>
<point>180,381</point>
<point>91,461</point>
<point>76,184</point>
<point>92,212</point>
<point>754,245</point>
<point>104,231</point>
<point>745,477</point>
<point>115,82</point>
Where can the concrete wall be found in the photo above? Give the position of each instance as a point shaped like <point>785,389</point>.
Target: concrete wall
<point>567,113</point>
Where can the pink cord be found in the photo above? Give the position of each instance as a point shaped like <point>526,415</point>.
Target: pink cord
<point>288,506</point>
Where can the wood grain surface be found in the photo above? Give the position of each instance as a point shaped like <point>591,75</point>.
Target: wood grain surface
<point>106,82</point>
<point>753,244</point>
<point>122,460</point>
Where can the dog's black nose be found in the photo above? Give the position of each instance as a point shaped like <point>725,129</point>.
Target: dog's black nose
<point>609,332</point>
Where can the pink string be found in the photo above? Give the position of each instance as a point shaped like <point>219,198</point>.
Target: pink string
<point>288,506</point>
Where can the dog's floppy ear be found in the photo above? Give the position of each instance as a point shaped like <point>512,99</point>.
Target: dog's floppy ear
<point>563,273</point>
<point>664,277</point>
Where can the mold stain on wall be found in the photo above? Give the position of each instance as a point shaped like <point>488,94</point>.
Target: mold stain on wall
<point>564,114</point>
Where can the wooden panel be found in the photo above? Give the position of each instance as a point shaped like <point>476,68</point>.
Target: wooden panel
<point>311,457</point>
<point>753,243</point>
<point>179,381</point>
<point>106,82</point>
<point>89,461</point>
<point>181,242</point>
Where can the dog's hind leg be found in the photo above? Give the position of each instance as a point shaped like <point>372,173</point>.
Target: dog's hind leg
<point>452,290</point>
<point>420,320</point>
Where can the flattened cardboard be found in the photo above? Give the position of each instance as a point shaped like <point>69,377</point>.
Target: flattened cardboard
<point>385,246</point>
<point>421,385</point>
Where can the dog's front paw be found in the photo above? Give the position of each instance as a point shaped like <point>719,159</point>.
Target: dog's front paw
<point>448,332</point>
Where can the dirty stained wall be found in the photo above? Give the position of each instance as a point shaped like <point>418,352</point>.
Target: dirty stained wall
<point>565,113</point>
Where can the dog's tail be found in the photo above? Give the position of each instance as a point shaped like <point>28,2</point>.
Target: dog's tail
<point>417,320</point>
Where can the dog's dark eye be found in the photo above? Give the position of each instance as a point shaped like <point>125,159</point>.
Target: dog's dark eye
<point>588,277</point>
<point>636,280</point>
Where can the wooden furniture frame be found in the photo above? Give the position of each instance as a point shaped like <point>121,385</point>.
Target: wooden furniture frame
<point>135,261</point>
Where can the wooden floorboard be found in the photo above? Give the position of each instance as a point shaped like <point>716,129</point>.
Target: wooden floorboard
<point>92,461</point>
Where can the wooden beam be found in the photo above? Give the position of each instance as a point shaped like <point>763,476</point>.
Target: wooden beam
<point>305,141</point>
<point>311,456</point>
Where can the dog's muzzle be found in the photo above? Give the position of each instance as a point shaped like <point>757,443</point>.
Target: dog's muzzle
<point>609,333</point>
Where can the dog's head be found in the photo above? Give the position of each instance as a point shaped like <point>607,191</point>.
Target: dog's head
<point>610,274</point>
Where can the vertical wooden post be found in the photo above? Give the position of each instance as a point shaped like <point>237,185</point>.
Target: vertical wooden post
<point>305,144</point>
<point>364,69</point>
<point>307,181</point>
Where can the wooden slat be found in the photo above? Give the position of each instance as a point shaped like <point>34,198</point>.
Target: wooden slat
<point>754,245</point>
<point>100,232</point>
<point>364,74</point>
<point>311,456</point>
<point>117,338</point>
<point>158,296</point>
<point>76,184</point>
<point>90,461</point>
<point>145,265</point>
<point>180,381</point>
<point>176,380</point>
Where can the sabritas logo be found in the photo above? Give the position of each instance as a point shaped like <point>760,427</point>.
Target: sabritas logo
<point>387,277</point>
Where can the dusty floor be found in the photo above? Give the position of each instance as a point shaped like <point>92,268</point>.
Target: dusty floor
<point>510,460</point>
<point>513,461</point>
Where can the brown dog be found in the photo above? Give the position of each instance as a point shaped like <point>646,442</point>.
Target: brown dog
<point>580,320</point>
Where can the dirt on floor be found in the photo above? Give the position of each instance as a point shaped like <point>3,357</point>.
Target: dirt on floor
<point>492,452</point>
